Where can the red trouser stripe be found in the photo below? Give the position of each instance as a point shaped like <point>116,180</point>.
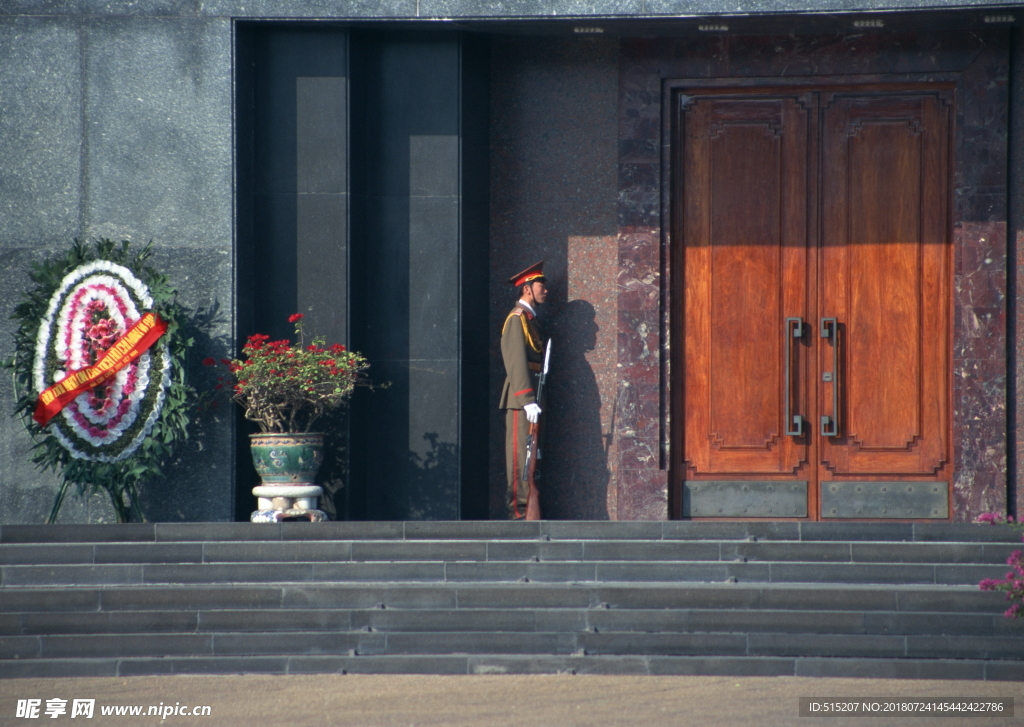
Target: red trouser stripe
<point>515,465</point>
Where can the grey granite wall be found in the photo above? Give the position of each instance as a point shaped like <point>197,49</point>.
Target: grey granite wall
<point>1015,279</point>
<point>118,127</point>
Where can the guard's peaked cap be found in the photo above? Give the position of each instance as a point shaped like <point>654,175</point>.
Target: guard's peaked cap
<point>532,274</point>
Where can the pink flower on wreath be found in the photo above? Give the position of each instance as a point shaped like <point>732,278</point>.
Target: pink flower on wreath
<point>99,337</point>
<point>100,401</point>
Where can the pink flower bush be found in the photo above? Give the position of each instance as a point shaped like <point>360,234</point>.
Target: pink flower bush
<point>1013,585</point>
<point>993,518</point>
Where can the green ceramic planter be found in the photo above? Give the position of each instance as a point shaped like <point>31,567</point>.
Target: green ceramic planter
<point>287,459</point>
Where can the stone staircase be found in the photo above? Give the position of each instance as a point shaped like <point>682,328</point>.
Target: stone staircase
<point>736,598</point>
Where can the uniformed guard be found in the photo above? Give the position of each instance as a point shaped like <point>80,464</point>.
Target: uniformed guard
<point>522,350</point>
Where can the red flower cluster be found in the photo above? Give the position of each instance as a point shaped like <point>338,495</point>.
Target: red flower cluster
<point>285,387</point>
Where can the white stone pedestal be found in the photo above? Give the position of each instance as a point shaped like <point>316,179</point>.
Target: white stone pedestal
<point>280,502</point>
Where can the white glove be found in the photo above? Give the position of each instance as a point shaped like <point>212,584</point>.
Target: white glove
<point>532,413</point>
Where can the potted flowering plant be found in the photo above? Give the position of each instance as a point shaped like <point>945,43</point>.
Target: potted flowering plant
<point>285,388</point>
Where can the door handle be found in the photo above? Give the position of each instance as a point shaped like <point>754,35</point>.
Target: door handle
<point>830,424</point>
<point>793,331</point>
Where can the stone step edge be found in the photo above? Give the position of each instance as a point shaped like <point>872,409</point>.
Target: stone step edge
<point>448,585</point>
<point>962,578</point>
<point>551,563</point>
<point>812,611</point>
<point>738,615</point>
<point>943,553</point>
<point>635,611</point>
<point>540,643</point>
<point>483,664</point>
<point>477,539</point>
<point>555,530</point>
<point>1017,541</point>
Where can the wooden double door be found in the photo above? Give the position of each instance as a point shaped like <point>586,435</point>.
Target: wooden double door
<point>811,249</point>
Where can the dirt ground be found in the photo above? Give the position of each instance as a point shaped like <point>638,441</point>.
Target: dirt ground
<point>492,701</point>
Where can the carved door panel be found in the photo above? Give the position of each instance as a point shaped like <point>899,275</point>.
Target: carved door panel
<point>813,259</point>
<point>884,280</point>
<point>747,258</point>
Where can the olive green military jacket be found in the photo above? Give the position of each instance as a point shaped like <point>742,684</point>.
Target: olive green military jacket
<point>522,351</point>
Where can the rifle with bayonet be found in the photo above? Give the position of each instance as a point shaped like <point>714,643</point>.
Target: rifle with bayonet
<point>532,449</point>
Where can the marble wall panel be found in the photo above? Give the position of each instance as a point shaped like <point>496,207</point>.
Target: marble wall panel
<point>26,494</point>
<point>582,10</point>
<point>1018,358</point>
<point>158,125</point>
<point>518,8</point>
<point>308,9</point>
<point>586,377</point>
<point>748,56</point>
<point>640,426</point>
<point>40,185</point>
<point>643,493</point>
<point>979,368</point>
<point>1015,277</point>
<point>978,492</point>
<point>200,482</point>
<point>121,128</point>
<point>40,130</point>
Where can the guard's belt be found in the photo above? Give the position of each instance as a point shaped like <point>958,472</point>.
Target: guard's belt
<point>533,366</point>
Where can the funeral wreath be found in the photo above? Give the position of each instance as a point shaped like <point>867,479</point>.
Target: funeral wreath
<point>99,371</point>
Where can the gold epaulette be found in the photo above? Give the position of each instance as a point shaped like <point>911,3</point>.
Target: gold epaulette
<point>517,312</point>
<point>527,334</point>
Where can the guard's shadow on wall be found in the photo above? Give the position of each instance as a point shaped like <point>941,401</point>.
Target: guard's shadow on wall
<point>432,480</point>
<point>574,475</point>
<point>334,471</point>
<point>196,481</point>
<point>428,479</point>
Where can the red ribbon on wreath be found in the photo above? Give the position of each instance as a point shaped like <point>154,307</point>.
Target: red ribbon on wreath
<point>135,342</point>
